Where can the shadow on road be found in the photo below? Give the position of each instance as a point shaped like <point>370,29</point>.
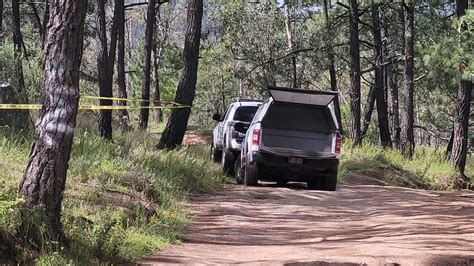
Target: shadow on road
<point>355,224</point>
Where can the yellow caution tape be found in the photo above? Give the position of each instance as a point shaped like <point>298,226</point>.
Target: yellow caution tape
<point>21,106</point>
<point>113,99</point>
<point>163,104</point>
<point>89,107</point>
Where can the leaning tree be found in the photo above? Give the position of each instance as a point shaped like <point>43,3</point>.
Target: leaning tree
<point>178,121</point>
<point>43,183</point>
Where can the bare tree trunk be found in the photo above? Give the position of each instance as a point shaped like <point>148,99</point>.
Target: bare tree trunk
<point>36,18</point>
<point>449,149</point>
<point>45,21</point>
<point>176,127</point>
<point>105,88</point>
<point>368,110</point>
<point>43,184</point>
<point>407,136</point>
<point>394,108</point>
<point>331,63</point>
<point>17,46</point>
<point>1,17</point>
<point>150,24</point>
<point>121,78</point>
<point>157,114</point>
<point>355,74</point>
<point>463,104</point>
<point>289,35</point>
<point>461,126</point>
<point>382,113</point>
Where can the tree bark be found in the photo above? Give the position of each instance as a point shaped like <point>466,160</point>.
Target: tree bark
<point>382,112</point>
<point>157,114</point>
<point>45,21</point>
<point>355,74</point>
<point>103,67</point>
<point>36,19</point>
<point>331,63</point>
<point>289,36</point>
<point>394,107</point>
<point>18,54</point>
<point>121,78</point>
<point>407,138</point>
<point>150,24</point>
<point>44,180</point>
<point>1,17</point>
<point>463,104</point>
<point>176,127</point>
<point>368,110</point>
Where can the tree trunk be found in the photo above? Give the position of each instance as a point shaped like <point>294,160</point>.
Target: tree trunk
<point>331,63</point>
<point>382,114</point>
<point>449,149</point>
<point>355,74</point>
<point>289,35</point>
<point>121,78</point>
<point>150,24</point>
<point>407,138</point>
<point>17,46</point>
<point>1,17</point>
<point>368,110</point>
<point>461,126</point>
<point>157,114</point>
<point>463,104</point>
<point>36,19</point>
<point>45,21</point>
<point>105,87</point>
<point>176,127</point>
<point>394,108</point>
<point>44,180</point>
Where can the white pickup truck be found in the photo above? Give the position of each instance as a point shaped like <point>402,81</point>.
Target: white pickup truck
<point>226,141</point>
<point>294,136</point>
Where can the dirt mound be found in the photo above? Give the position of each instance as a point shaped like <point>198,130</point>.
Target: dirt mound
<point>383,176</point>
<point>197,137</point>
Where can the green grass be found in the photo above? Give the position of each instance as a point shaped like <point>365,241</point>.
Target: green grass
<point>123,200</point>
<point>428,166</point>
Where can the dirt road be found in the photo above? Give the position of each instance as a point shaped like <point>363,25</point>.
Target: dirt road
<point>371,225</point>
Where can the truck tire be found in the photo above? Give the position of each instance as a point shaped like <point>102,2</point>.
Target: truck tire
<point>216,154</point>
<point>227,162</point>
<point>239,172</point>
<point>250,175</point>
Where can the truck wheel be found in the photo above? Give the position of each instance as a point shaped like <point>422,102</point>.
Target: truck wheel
<point>216,154</point>
<point>251,175</point>
<point>239,172</point>
<point>227,162</point>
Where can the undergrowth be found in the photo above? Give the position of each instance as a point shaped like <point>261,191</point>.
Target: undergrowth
<point>123,200</point>
<point>429,166</point>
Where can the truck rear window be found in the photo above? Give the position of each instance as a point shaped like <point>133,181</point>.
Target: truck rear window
<point>299,117</point>
<point>245,113</point>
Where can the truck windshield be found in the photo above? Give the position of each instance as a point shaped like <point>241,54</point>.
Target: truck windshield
<point>245,113</point>
<point>299,118</point>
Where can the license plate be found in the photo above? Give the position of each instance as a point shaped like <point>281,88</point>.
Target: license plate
<point>293,160</point>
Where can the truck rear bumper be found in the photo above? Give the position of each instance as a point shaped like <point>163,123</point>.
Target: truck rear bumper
<point>278,167</point>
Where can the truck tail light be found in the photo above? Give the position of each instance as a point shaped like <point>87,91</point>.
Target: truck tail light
<point>256,137</point>
<point>338,147</point>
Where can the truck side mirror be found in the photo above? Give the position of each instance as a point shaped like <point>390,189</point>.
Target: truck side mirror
<point>217,117</point>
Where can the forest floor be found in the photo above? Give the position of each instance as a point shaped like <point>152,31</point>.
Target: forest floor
<point>366,221</point>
